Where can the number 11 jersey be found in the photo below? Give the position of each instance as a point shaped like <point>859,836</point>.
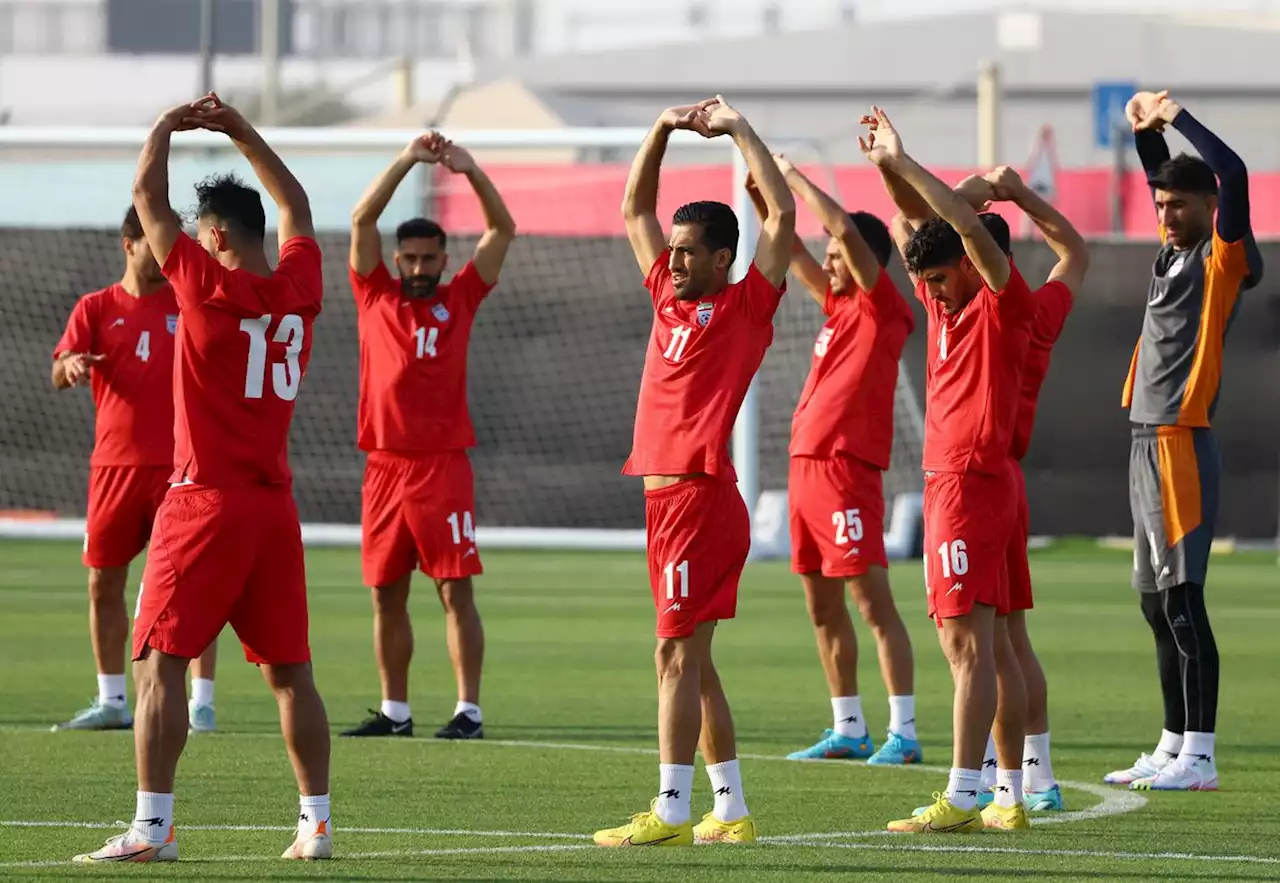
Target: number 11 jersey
<point>413,362</point>
<point>243,344</point>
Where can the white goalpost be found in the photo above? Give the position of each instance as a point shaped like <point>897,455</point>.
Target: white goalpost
<point>71,183</point>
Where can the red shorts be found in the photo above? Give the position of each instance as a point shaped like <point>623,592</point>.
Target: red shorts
<point>698,535</point>
<point>968,518</point>
<point>837,516</point>
<point>122,506</point>
<point>225,556</point>
<point>418,511</point>
<point>1019,569</point>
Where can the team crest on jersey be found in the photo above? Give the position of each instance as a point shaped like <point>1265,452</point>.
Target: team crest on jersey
<point>705,309</point>
<point>1176,267</point>
<point>439,311</point>
<point>171,323</point>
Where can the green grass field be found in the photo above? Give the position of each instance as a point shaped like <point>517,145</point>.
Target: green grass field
<point>569,712</point>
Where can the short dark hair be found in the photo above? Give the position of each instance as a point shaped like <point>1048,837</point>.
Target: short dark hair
<point>934,244</point>
<point>875,233</point>
<point>1188,174</point>
<point>421,228</point>
<point>719,224</point>
<point>229,199</point>
<point>998,227</point>
<point>131,226</point>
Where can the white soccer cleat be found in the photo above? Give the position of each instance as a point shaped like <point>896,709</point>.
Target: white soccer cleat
<point>1146,767</point>
<point>317,847</point>
<point>130,847</point>
<point>201,718</point>
<point>1197,773</point>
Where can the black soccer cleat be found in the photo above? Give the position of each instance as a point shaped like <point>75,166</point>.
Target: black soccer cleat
<point>380,725</point>
<point>461,727</point>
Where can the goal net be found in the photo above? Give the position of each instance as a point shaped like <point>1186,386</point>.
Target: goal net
<point>555,356</point>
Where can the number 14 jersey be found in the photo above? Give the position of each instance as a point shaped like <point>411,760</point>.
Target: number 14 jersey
<point>243,344</point>
<point>413,362</point>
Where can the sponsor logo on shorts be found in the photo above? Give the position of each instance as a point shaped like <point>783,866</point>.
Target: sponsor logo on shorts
<point>955,588</point>
<point>674,608</point>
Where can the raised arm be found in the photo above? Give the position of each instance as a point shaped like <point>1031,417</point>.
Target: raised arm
<point>151,183</point>
<point>366,241</point>
<point>1233,223</point>
<point>640,199</point>
<point>1059,234</point>
<point>280,184</point>
<point>778,227</point>
<point>857,255</point>
<point>883,147</point>
<point>499,226</point>
<point>805,266</point>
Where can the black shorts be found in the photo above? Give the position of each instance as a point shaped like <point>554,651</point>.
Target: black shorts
<point>1174,478</point>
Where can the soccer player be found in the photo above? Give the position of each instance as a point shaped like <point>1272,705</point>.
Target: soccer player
<point>708,338</point>
<point>119,341</point>
<point>980,311</point>
<point>841,438</point>
<point>227,546</point>
<point>1203,266</point>
<point>1053,304</point>
<point>419,493</point>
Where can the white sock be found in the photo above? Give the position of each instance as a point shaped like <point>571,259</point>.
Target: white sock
<point>1035,763</point>
<point>201,691</point>
<point>962,788</point>
<point>902,716</point>
<point>1197,747</point>
<point>989,765</point>
<point>1008,790</point>
<point>313,812</point>
<point>153,817</point>
<point>111,690</point>
<point>726,782</point>
<point>470,709</point>
<point>397,711</point>
<point>675,784</point>
<point>848,717</point>
<point>1169,747</point>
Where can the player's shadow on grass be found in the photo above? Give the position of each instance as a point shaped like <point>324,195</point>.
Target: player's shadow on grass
<point>570,731</point>
<point>1127,748</point>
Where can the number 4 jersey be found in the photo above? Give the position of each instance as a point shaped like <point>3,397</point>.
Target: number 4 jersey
<point>413,362</point>
<point>243,344</point>
<point>133,384</point>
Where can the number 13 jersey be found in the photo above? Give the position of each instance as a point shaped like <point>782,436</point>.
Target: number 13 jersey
<point>243,344</point>
<point>413,362</point>
<point>701,357</point>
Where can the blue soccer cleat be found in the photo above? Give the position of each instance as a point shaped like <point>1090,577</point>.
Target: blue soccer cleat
<point>897,751</point>
<point>833,746</point>
<point>1049,800</point>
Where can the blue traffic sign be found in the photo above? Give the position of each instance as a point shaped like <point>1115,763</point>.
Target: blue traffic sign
<point>1109,100</point>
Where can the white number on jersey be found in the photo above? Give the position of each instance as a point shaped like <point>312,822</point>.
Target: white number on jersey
<point>426,338</point>
<point>955,559</point>
<point>679,338</point>
<point>463,528</point>
<point>672,572</point>
<point>286,375</point>
<point>143,350</point>
<point>848,526</point>
<point>823,341</point>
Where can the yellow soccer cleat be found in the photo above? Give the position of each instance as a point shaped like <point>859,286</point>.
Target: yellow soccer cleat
<point>941,818</point>
<point>712,830</point>
<point>646,829</point>
<point>1006,818</point>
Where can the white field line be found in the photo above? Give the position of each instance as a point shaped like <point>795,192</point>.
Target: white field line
<point>435,832</point>
<point>1069,853</point>
<point>396,853</point>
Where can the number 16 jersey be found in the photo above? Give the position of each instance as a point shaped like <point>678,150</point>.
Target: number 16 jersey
<point>413,362</point>
<point>243,344</point>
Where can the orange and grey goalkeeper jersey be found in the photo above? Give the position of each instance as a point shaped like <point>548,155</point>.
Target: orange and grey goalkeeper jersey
<point>1176,370</point>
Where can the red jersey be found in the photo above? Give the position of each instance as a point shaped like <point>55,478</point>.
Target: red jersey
<point>133,386</point>
<point>1053,303</point>
<point>973,377</point>
<point>244,342</point>
<point>846,408</point>
<point>413,362</point>
<point>702,355</point>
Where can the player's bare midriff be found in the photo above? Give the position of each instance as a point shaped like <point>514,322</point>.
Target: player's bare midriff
<point>658,482</point>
